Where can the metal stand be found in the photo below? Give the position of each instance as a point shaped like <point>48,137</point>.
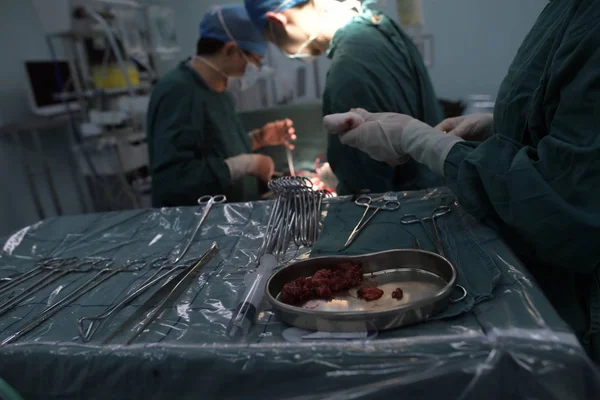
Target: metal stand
<point>101,158</point>
<point>33,128</point>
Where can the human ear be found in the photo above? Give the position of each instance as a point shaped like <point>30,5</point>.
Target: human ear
<point>276,23</point>
<point>230,49</point>
<point>277,18</point>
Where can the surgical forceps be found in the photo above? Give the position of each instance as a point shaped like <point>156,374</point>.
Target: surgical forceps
<point>387,202</point>
<point>96,321</point>
<point>52,276</point>
<point>438,212</point>
<point>43,265</point>
<point>207,202</point>
<point>294,217</point>
<point>436,238</point>
<point>168,292</point>
<point>87,287</point>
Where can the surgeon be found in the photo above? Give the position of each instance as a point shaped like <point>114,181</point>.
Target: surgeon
<point>375,66</point>
<point>197,143</point>
<point>532,170</point>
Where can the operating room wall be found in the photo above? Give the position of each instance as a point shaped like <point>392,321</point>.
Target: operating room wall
<point>21,38</point>
<point>475,42</point>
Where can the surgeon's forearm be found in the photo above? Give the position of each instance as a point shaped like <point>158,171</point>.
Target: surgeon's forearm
<point>499,182</point>
<point>456,156</point>
<point>426,145</point>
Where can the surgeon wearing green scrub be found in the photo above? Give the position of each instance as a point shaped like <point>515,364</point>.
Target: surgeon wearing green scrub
<point>375,65</point>
<point>532,169</point>
<point>197,143</point>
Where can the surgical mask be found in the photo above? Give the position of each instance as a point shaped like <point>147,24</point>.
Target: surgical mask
<point>299,55</point>
<point>252,73</point>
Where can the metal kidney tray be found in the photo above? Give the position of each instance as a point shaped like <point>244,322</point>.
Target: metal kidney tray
<point>426,279</point>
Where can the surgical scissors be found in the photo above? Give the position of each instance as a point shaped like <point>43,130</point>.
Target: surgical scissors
<point>387,202</point>
<point>207,202</point>
<point>440,211</point>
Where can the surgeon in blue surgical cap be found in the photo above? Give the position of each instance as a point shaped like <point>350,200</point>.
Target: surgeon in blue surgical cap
<point>374,65</point>
<point>197,143</point>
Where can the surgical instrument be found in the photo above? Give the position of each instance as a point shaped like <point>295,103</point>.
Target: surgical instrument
<point>43,266</point>
<point>412,219</point>
<point>82,290</point>
<point>52,276</point>
<point>96,321</point>
<point>436,238</point>
<point>169,292</point>
<point>290,161</point>
<point>243,318</point>
<point>295,216</point>
<point>386,202</point>
<point>207,202</point>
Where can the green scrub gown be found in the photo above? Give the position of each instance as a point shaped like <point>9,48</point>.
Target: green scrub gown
<point>191,131</point>
<point>537,180</point>
<point>376,66</point>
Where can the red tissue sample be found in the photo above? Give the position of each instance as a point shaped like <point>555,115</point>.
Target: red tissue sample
<point>323,284</point>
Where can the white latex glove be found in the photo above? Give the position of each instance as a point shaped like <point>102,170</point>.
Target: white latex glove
<point>392,138</point>
<point>475,127</point>
<point>371,133</point>
<point>257,165</point>
<point>341,123</point>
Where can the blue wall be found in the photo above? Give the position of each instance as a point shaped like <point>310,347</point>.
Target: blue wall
<point>475,41</point>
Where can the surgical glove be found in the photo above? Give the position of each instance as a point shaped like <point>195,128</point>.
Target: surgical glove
<point>427,145</point>
<point>393,138</point>
<point>341,123</point>
<point>257,165</point>
<point>475,127</point>
<point>372,133</point>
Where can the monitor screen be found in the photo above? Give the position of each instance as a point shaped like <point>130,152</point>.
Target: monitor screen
<point>46,79</point>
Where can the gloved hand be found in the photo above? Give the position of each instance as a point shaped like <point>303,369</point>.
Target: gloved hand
<point>342,123</point>
<point>392,138</point>
<point>371,133</point>
<point>257,165</point>
<point>475,127</point>
<point>278,133</point>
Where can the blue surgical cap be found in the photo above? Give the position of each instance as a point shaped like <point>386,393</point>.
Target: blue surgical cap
<point>258,9</point>
<point>239,26</point>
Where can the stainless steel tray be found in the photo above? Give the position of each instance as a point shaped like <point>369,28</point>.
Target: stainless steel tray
<point>426,279</point>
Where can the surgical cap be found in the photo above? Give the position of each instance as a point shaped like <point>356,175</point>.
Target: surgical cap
<point>258,9</point>
<point>239,26</point>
